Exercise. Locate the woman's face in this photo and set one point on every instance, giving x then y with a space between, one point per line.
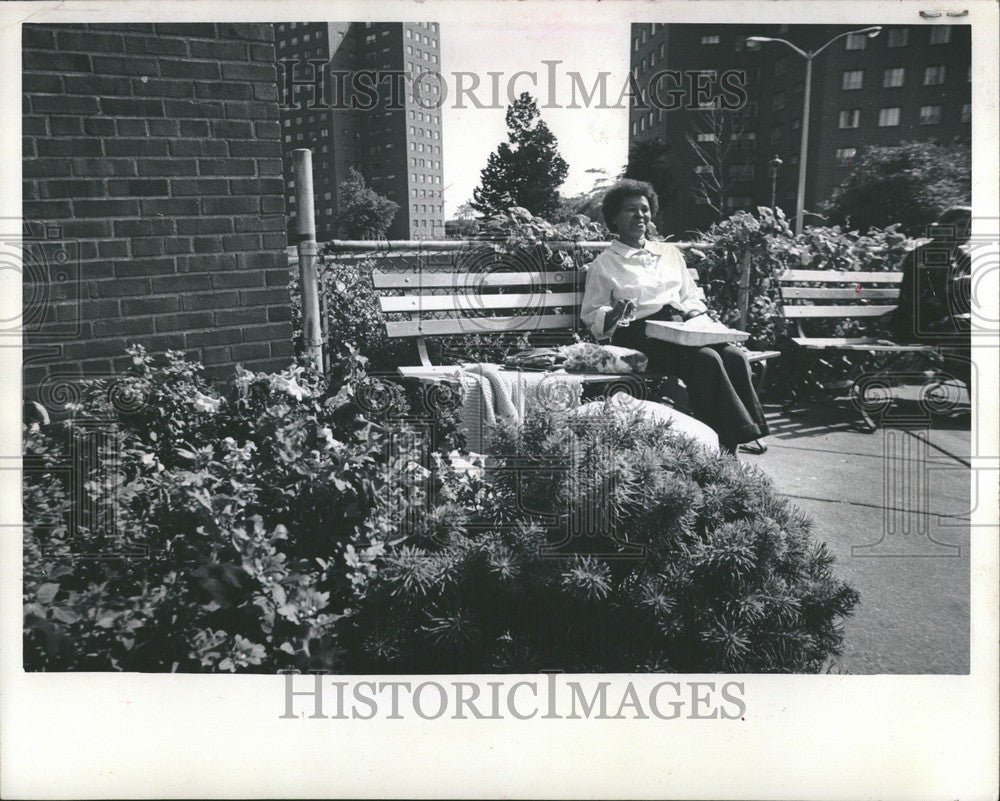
632 219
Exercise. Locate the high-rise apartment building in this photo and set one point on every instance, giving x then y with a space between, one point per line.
369 118
910 83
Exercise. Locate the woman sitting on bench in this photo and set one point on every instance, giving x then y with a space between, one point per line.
636 279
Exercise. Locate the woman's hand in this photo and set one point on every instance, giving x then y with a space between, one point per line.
621 310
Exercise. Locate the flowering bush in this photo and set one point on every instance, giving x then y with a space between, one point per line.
603 545
171 525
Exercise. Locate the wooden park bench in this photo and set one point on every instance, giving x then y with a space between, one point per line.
543 304
811 296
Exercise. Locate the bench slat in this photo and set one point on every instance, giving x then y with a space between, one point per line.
794 312
479 303
837 277
472 281
479 325
846 293
849 343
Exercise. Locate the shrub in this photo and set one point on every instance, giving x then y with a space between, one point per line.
241 523
727 579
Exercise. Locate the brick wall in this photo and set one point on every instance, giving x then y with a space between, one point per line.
152 198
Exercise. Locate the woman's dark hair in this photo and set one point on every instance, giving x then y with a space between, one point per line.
617 194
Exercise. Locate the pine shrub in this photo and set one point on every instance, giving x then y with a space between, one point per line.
696 564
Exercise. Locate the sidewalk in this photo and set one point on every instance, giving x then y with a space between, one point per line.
893 507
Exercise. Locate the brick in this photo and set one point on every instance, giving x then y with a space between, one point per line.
153 88
69 147
40 83
231 242
251 316
250 110
96 85
249 148
132 128
168 167
276 242
89 42
265 73
250 351
156 46
226 336
209 225
144 227
229 205
207 245
199 186
257 186
226 167
45 210
208 70
109 65
177 245
184 282
246 32
113 248
119 287
277 314
219 50
99 126
143 187
34 126
224 91
186 29
61 104
131 107
263 297
65 126
232 129
237 279
193 108
104 167
29 190
273 204
263 52
198 147
106 208
265 91
150 305
211 356
267 130
265 332
163 128
147 247
139 267
211 300
178 322
277 277
28 148
91 347
37 36
135 147
169 206
124 326
248 224
164 342
87 229
207 262
194 128
73 188
51 61
269 167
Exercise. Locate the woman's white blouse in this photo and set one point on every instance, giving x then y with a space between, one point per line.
653 276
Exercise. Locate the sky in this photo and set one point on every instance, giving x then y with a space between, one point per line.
589 138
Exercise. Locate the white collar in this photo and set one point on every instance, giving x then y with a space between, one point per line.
622 249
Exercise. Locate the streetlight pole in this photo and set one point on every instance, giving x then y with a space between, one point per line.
800 201
775 166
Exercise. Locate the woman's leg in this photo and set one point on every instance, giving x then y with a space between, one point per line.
740 376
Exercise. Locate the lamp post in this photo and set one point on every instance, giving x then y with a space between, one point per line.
872 32
775 166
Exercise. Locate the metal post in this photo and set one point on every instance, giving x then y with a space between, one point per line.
800 202
308 280
743 296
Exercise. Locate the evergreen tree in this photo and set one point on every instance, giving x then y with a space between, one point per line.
362 213
527 170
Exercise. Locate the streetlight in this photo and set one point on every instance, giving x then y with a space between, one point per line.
872 32
775 164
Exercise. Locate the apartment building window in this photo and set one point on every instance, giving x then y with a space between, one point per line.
856 41
663 51
652 59
888 117
778 101
645 35
642 123
934 76
741 172
738 201
370 38
709 40
930 115
845 155
853 79
635 44
706 137
288 123
893 78
850 118
967 112
703 169
409 34
306 38
409 50
940 34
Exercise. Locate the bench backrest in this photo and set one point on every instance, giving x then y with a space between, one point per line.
480 303
836 295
